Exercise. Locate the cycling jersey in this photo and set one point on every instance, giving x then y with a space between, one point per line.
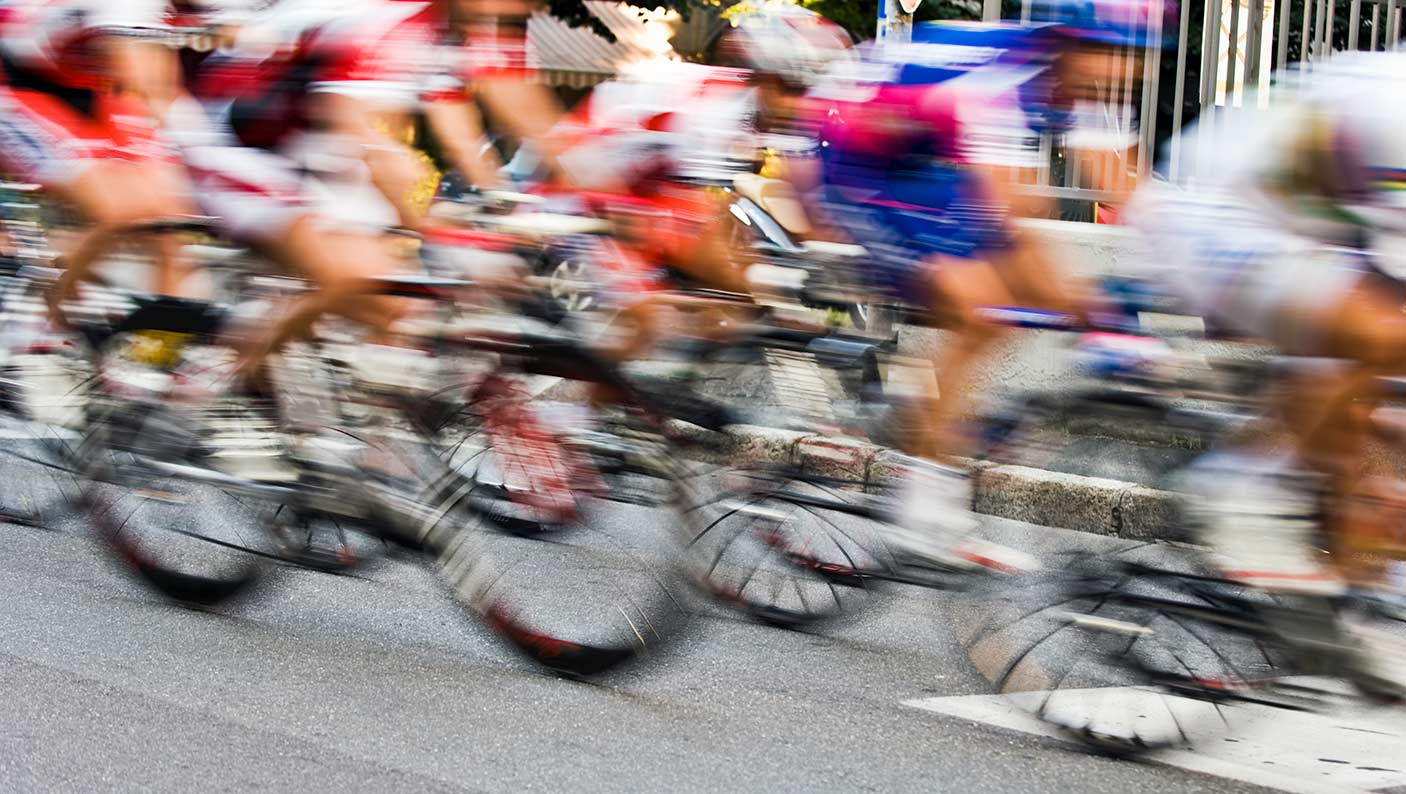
901 123
393 54
657 139
674 122
1283 203
259 160
978 93
49 45
906 122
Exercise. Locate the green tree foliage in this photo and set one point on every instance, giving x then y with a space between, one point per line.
859 16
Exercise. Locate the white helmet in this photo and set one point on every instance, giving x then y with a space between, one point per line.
1365 94
787 41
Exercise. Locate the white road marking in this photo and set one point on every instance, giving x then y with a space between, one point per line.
1357 749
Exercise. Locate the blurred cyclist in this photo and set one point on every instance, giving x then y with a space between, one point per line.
84 83
1278 240
302 159
922 149
661 136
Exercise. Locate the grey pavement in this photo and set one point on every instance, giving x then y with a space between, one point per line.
379 683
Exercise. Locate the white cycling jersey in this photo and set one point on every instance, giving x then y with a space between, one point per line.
1279 205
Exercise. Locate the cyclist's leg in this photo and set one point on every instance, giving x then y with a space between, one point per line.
1316 304
921 253
340 264
687 230
702 247
1035 280
956 292
115 195
262 201
77 159
1329 410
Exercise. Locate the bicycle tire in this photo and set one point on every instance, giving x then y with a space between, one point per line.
1119 658
783 547
148 488
501 456
586 599
177 562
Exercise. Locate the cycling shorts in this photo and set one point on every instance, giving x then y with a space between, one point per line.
905 219
48 141
258 194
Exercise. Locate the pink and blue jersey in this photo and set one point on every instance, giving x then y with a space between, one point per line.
900 125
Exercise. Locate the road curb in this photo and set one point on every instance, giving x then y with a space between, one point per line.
1036 496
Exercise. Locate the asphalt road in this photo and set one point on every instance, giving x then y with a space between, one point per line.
379 683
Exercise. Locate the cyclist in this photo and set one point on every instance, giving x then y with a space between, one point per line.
84 85
301 159
1277 241
921 148
662 135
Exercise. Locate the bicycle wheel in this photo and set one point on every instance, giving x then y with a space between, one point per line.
503 455
321 542
785 548
591 596
1124 652
179 481
189 540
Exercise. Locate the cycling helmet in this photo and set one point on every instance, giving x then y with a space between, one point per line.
787 41
1365 95
1111 22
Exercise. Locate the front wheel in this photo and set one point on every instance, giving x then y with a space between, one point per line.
190 541
785 548
1125 652
595 592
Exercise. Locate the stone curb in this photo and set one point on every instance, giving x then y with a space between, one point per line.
1036 496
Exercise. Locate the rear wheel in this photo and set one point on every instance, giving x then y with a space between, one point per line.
180 481
505 455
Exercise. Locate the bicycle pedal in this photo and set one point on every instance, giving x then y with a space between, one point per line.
753 511
166 497
1105 624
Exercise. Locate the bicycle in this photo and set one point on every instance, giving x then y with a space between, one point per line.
1141 648
793 511
163 435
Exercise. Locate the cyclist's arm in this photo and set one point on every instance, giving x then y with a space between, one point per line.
145 69
458 129
528 111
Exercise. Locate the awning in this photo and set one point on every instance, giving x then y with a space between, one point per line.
579 58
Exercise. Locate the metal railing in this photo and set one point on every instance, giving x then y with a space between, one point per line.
1244 45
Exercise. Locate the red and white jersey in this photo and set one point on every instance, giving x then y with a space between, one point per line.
404 52
55 40
394 53
679 120
391 52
